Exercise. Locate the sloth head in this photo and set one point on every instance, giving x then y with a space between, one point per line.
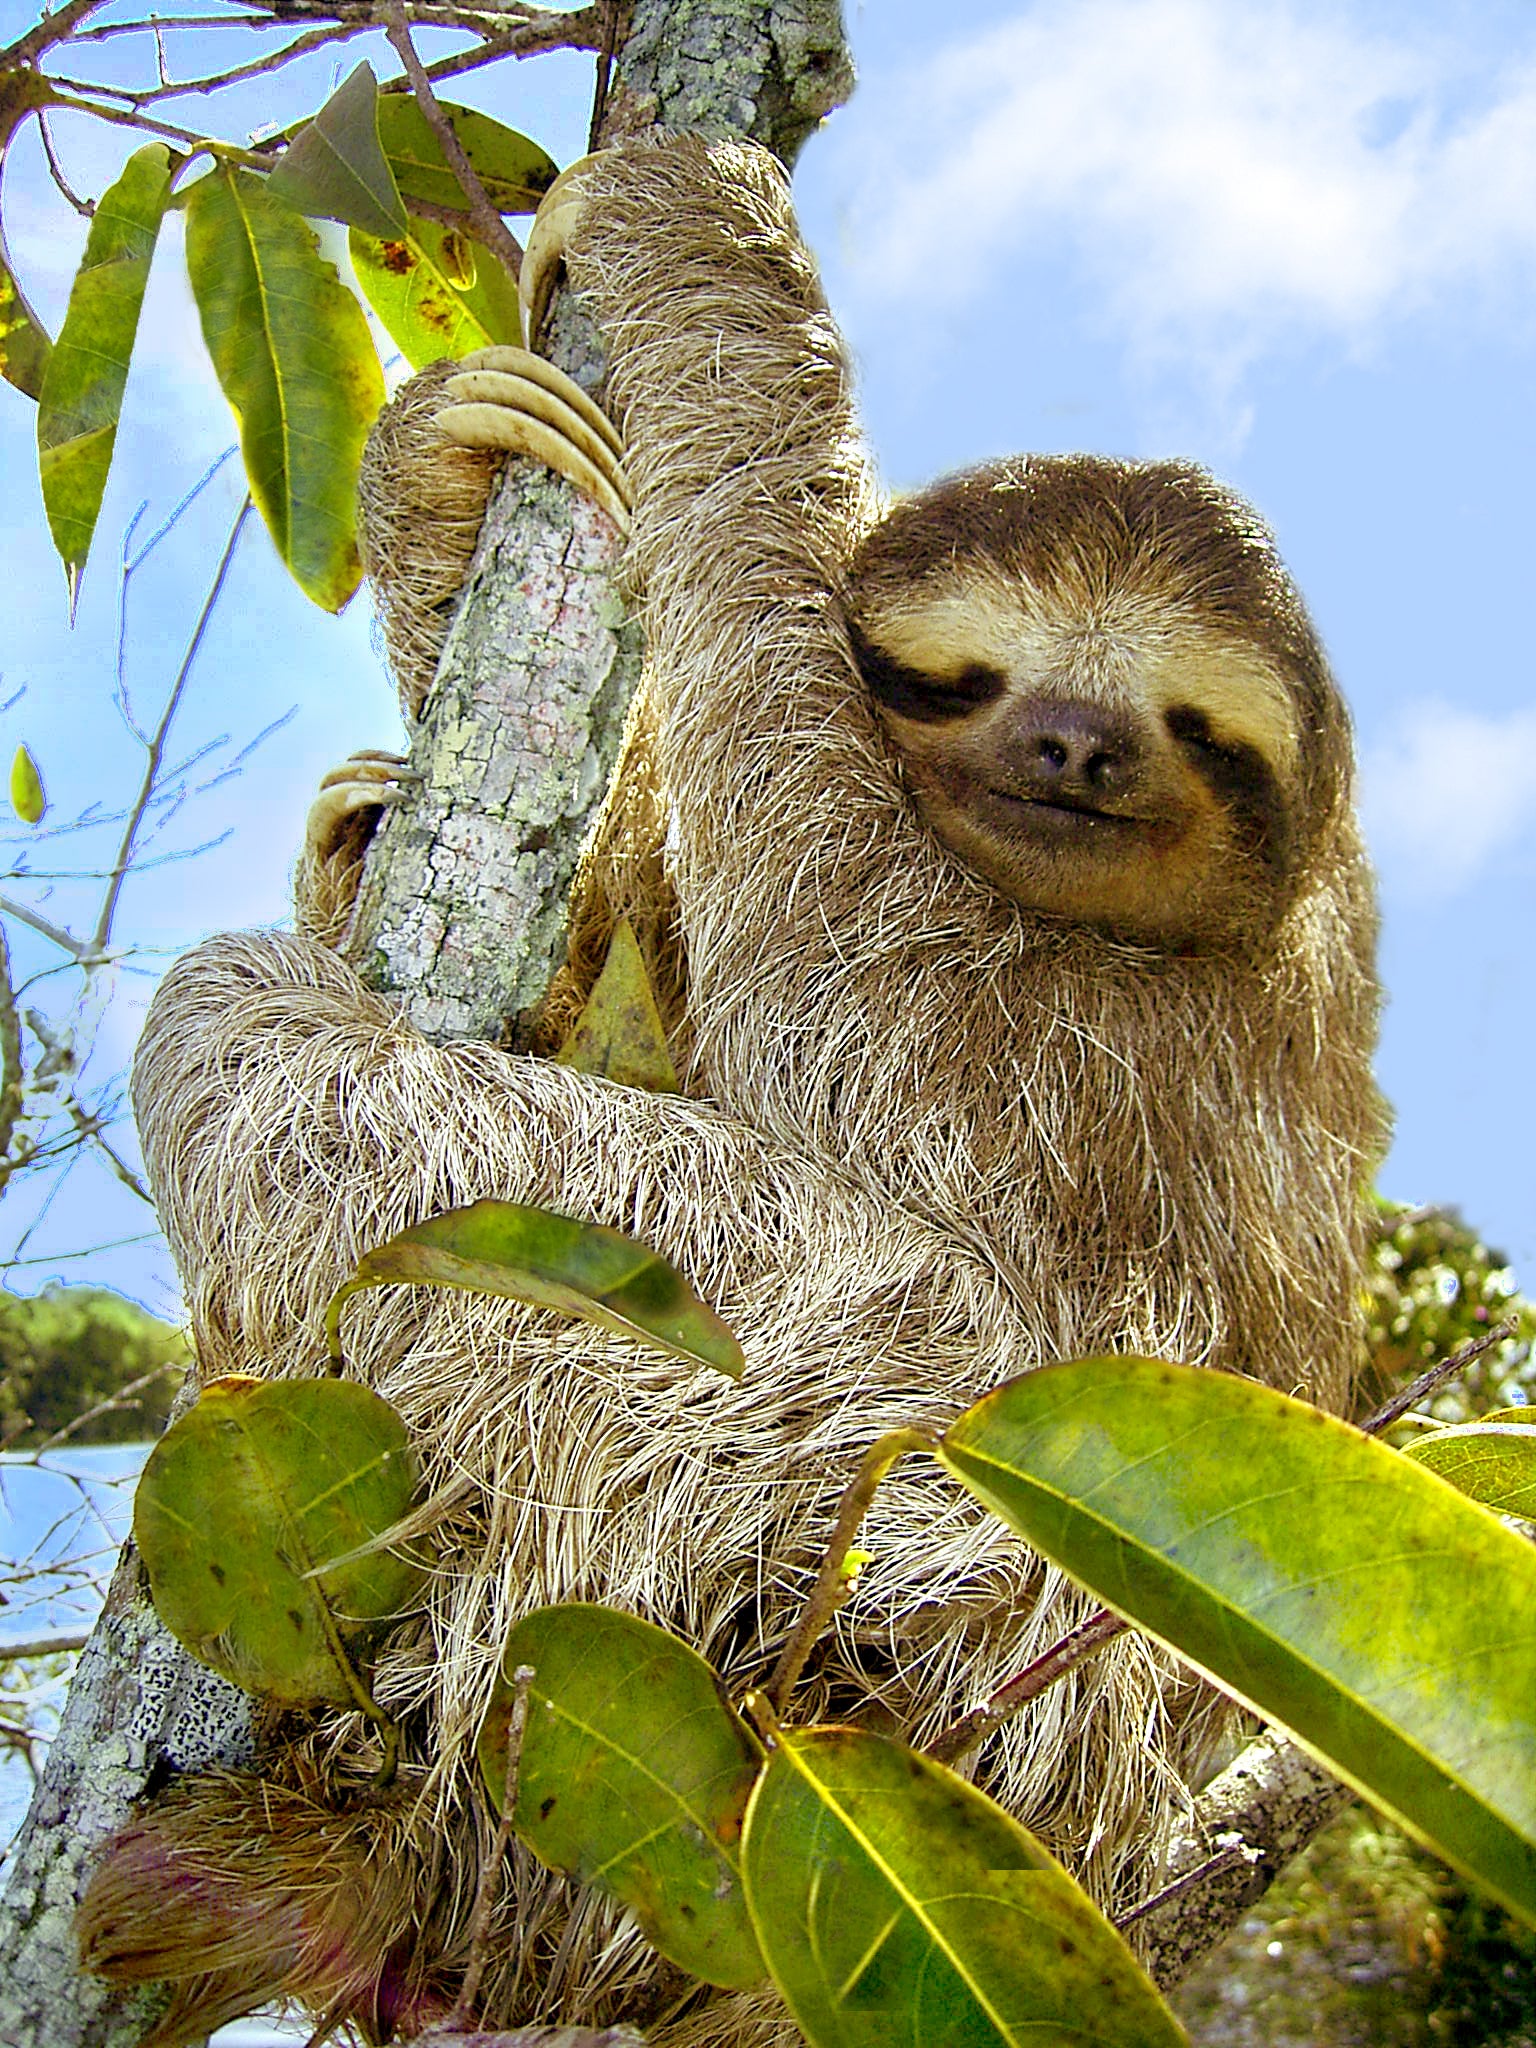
1106 694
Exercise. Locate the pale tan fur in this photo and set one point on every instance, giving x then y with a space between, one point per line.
934 1139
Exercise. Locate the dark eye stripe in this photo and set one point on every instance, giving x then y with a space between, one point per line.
928 699
1240 779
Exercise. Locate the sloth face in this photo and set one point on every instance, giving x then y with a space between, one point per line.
1105 694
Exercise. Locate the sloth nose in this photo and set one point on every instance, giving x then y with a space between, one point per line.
1073 746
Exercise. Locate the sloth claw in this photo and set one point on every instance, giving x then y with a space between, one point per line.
559 211
510 399
368 780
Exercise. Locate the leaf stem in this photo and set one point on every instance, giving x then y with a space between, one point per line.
832 1582
1101 1627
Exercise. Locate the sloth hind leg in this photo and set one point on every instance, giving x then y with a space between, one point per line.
511 399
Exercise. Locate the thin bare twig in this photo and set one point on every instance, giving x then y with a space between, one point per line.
1402 1401
43 1646
81 950
90 1126
1100 1627
494 231
54 28
121 117
86 208
215 81
125 1397
12 1076
148 786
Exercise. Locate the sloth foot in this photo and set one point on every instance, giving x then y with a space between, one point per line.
508 398
342 820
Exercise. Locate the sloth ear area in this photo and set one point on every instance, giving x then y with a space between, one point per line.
510 399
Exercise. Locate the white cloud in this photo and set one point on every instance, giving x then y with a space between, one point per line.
1223 172
1450 792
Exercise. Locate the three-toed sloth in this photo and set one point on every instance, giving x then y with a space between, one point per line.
1026 943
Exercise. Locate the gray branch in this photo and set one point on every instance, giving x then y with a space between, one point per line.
463 918
1268 1803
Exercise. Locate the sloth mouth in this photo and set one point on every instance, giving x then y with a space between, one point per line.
1061 815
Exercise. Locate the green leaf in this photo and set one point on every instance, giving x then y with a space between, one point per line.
24 343
634 1776
619 1032
241 1508
292 351
335 167
437 292
82 388
1331 1583
582 1269
1491 1462
515 172
898 1907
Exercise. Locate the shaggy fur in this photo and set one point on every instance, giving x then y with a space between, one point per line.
933 1139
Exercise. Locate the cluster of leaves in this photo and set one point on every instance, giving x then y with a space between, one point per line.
1434 1285
289 342
1316 1574
70 1352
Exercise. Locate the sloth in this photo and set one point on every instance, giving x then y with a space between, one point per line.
1015 893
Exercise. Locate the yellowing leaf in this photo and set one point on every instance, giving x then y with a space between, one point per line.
335 168
437 293
619 1032
244 1507
527 1254
898 1907
1329 1582
291 348
634 1776
82 388
28 800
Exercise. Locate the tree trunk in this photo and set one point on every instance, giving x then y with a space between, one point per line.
463 920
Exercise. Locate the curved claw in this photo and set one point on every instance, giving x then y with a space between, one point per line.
366 781
512 400
559 210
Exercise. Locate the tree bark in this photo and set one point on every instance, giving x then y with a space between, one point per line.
462 919
462 910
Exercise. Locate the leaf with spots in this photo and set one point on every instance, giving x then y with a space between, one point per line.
437 292
293 354
898 1907
250 1515
1330 1583
634 1775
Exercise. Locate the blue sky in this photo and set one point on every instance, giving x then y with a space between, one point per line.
1295 242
